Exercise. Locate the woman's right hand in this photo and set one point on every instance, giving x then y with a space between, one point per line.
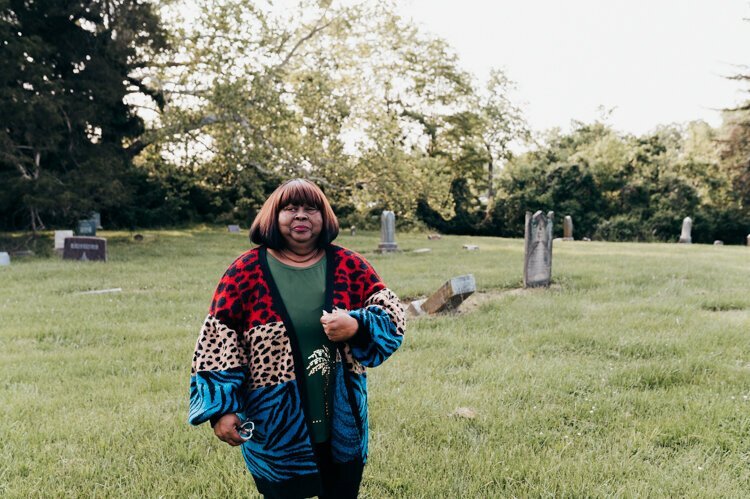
226 429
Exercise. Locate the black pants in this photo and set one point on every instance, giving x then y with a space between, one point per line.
337 480
340 480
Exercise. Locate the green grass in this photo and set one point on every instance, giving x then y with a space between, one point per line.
629 377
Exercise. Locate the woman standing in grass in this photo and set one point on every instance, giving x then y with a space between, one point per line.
279 366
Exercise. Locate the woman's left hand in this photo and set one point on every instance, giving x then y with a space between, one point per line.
339 326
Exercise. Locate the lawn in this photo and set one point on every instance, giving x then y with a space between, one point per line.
630 376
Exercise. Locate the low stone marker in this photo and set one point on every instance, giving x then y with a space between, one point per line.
60 236
387 233
568 228
687 227
234 229
4 259
415 308
422 250
718 243
537 262
471 247
86 228
450 295
433 237
85 248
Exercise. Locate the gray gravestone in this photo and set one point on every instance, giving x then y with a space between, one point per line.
97 218
450 295
537 263
353 230
86 228
687 227
4 259
85 248
718 243
387 233
415 308
60 236
568 228
234 229
748 240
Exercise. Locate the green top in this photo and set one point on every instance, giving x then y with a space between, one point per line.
303 293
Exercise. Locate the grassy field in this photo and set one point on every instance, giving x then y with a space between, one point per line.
629 377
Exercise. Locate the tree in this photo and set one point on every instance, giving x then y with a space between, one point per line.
66 71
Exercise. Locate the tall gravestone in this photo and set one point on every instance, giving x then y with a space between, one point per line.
568 228
537 262
387 233
687 227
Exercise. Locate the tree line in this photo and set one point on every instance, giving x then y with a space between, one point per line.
161 114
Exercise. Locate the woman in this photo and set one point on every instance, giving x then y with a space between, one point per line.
279 366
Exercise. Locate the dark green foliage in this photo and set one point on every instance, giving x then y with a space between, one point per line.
65 70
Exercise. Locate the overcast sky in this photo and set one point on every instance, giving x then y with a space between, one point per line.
654 61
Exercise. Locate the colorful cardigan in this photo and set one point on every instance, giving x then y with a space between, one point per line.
247 361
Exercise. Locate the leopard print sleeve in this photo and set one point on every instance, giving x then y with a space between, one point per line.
219 367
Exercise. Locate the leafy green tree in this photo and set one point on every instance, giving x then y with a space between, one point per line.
66 70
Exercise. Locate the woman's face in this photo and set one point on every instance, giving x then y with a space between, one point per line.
300 225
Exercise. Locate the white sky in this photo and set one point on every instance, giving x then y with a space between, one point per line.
654 61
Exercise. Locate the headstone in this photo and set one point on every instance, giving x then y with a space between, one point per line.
4 259
86 228
432 237
450 295
415 308
586 239
568 228
97 218
234 229
85 248
687 227
353 230
60 236
748 240
537 263
471 247
422 250
718 243
138 237
387 233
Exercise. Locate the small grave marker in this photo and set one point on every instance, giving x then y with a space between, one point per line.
422 250
234 229
353 230
471 247
60 236
450 295
85 248
433 237
415 308
86 228
97 218
4 259
718 243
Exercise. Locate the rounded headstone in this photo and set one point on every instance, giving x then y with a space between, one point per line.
4 259
718 243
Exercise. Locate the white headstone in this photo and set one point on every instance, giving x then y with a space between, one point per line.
60 236
687 227
4 259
